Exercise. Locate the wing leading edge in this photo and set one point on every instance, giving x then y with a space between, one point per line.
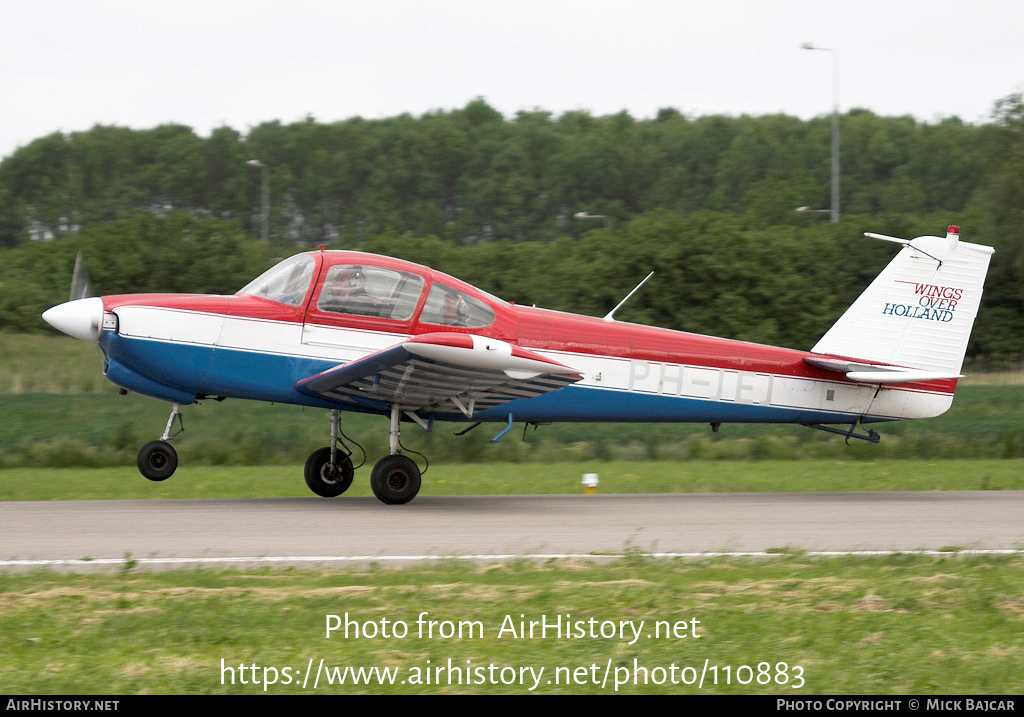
441 373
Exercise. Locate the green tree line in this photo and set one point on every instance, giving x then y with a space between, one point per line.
715 273
470 174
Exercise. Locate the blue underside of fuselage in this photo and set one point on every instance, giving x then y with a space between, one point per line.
186 371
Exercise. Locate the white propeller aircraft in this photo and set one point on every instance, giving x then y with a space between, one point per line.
348 331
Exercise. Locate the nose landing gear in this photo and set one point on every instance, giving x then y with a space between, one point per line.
157 460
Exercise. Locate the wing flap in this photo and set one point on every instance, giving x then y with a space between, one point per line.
444 373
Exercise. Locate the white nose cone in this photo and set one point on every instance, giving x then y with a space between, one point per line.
82 318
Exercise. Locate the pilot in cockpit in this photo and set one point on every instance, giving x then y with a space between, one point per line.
454 310
345 292
348 283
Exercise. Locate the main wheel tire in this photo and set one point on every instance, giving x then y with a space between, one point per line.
326 480
157 460
395 480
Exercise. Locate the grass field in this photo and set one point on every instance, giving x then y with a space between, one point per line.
528 478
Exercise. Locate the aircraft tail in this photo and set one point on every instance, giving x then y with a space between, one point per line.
918 313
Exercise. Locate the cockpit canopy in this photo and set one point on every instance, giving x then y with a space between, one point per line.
374 290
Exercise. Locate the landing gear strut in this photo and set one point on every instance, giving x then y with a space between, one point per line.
329 470
157 460
395 478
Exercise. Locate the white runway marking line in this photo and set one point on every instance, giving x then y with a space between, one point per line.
497 556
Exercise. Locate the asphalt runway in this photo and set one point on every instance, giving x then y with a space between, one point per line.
314 530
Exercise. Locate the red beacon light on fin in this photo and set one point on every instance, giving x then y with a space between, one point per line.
952 236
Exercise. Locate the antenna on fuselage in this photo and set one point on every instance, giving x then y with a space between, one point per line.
610 316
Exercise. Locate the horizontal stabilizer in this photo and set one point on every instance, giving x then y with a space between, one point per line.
908 376
868 373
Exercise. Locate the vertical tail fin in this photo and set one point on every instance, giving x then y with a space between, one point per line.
919 311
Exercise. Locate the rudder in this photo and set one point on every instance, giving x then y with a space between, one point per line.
919 311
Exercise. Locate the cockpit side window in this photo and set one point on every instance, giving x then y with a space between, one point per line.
370 291
286 282
448 306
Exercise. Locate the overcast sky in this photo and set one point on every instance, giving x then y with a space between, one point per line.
67 65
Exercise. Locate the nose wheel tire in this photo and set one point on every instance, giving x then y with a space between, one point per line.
157 460
326 480
395 479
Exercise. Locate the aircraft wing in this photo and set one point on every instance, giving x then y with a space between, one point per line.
445 373
869 373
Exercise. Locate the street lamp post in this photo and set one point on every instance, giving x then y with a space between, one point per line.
599 217
264 198
834 211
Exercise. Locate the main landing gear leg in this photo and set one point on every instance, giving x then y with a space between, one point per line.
329 470
395 478
157 460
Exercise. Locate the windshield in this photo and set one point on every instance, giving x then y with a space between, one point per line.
286 282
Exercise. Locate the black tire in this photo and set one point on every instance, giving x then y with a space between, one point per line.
325 480
395 480
157 460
